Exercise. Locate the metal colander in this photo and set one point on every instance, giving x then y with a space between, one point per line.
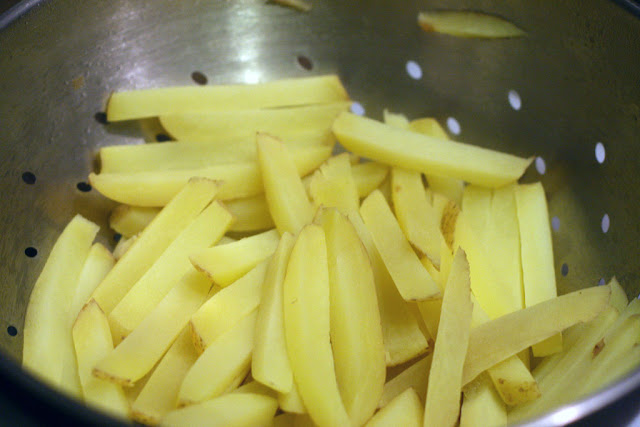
568 92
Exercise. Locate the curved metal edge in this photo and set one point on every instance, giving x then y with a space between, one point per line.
17 11
632 6
32 397
589 405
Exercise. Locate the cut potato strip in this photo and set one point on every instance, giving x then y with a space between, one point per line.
368 176
396 120
143 348
227 263
160 394
412 280
270 363
234 409
333 186
92 342
226 358
284 122
468 24
255 387
139 104
48 350
288 202
356 332
401 334
505 336
157 188
291 401
415 376
226 308
481 405
173 264
619 299
306 324
153 241
423 153
131 220
404 410
538 271
251 214
442 405
97 265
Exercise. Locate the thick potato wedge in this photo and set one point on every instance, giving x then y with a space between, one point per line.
157 188
306 324
251 214
131 220
505 336
92 342
233 409
139 104
227 307
467 24
173 264
226 358
356 332
270 363
227 263
286 122
426 154
442 405
48 346
134 357
415 376
153 241
401 333
404 410
288 202
412 280
332 185
481 405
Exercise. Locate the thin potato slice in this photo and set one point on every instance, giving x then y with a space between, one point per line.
415 376
401 333
251 214
442 405
224 360
426 154
160 394
468 24
368 176
48 346
123 246
292 401
332 185
505 336
255 387
157 188
285 122
270 363
134 357
173 264
97 265
227 263
356 332
306 324
481 405
411 278
404 410
233 409
538 271
227 307
153 241
288 202
619 299
131 220
139 104
397 120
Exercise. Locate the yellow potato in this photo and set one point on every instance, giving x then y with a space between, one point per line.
401 333
404 410
468 24
227 263
332 185
368 176
422 153
481 405
288 202
48 346
443 392
251 214
619 299
270 363
292 401
356 332
286 122
138 353
166 271
226 308
306 324
123 245
415 376
130 220
255 387
139 104
153 241
411 278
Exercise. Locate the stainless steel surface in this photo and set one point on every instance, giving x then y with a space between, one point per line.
576 73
